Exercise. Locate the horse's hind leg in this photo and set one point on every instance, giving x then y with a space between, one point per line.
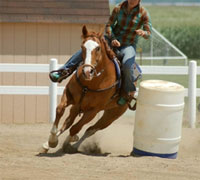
53 138
108 117
87 117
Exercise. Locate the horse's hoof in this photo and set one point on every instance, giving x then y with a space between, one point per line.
53 141
53 144
44 149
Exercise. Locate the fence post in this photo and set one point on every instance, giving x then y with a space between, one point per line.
192 85
52 92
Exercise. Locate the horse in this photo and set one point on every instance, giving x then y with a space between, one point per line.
91 89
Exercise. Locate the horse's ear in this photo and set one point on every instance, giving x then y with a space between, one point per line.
84 31
102 29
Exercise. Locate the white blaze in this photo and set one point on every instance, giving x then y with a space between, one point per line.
90 45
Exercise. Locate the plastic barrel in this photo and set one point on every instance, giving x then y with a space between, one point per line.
158 119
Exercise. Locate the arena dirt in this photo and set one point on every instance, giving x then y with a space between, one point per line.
105 156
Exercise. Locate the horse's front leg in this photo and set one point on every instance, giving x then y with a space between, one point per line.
53 138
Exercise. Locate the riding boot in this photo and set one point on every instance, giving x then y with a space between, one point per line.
60 74
126 97
67 69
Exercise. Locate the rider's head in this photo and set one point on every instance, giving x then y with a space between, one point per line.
133 3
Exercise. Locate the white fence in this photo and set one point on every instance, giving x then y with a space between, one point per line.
192 92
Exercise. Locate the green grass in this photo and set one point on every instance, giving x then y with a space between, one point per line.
169 16
172 16
163 62
165 16
180 25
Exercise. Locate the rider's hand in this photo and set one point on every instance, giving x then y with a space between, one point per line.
140 32
115 43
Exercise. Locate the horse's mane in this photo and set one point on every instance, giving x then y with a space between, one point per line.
108 50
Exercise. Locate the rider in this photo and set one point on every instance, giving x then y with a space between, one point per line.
128 21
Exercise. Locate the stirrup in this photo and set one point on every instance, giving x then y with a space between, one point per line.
133 108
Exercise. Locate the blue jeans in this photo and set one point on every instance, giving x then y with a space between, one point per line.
127 66
74 60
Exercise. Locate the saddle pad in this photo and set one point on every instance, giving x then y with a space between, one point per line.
137 72
118 72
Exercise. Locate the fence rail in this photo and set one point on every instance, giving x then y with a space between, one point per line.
44 68
44 90
192 92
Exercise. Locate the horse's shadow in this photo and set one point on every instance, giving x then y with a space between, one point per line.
60 153
88 151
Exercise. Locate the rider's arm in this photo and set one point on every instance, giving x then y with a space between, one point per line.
147 26
111 23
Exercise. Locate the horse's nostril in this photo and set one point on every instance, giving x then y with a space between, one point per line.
91 71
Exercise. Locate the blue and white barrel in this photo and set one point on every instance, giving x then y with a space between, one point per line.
158 121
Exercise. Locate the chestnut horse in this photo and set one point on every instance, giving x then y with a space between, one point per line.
90 90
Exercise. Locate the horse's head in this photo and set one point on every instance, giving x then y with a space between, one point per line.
91 52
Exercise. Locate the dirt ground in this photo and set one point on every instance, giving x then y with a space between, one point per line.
19 159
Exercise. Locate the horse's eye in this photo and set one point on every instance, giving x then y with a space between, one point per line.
98 48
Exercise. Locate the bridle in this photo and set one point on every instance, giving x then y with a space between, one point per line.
95 73
93 70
